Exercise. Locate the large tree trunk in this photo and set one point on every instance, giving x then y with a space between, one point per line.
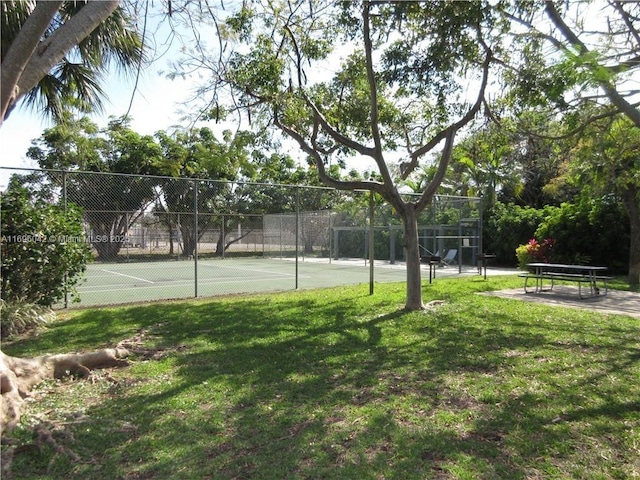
412 252
631 201
30 58
188 243
21 50
108 232
18 376
220 244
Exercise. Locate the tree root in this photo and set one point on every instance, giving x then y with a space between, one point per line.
44 436
135 345
18 376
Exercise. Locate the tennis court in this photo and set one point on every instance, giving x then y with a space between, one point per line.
116 283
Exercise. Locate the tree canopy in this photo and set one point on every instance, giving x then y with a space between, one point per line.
572 53
377 103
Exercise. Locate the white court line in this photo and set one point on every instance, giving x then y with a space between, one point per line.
125 275
80 290
120 287
277 275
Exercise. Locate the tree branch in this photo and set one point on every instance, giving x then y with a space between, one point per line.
333 133
373 98
63 39
618 100
444 134
431 189
322 173
20 52
326 126
627 21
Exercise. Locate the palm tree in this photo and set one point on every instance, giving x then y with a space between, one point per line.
484 164
54 53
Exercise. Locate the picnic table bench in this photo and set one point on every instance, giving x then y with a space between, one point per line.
556 272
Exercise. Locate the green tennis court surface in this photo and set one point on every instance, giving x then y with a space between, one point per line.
118 283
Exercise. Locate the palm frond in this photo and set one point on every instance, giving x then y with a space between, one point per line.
46 97
13 14
113 43
74 84
70 86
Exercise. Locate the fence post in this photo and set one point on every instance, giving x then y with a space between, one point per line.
223 235
392 245
64 209
460 243
195 237
480 228
371 245
126 242
331 235
297 230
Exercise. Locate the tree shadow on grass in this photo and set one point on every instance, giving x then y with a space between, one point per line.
324 390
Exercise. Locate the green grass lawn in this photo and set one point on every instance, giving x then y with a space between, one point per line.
339 384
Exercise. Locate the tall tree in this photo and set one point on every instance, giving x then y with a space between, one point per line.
584 58
111 203
607 158
395 90
572 53
54 52
213 164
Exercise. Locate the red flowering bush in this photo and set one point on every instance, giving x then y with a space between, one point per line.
535 251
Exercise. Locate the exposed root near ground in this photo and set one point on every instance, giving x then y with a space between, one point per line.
19 376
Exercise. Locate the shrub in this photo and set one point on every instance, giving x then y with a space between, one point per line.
592 230
535 251
505 226
589 231
19 317
43 248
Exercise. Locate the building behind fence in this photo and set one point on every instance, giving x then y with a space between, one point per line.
136 220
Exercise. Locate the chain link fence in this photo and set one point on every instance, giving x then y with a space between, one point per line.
158 237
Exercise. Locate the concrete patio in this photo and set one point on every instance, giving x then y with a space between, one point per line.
616 301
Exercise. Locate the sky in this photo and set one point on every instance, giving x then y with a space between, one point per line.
155 106
156 101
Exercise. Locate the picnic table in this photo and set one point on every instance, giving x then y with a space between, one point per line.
590 275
